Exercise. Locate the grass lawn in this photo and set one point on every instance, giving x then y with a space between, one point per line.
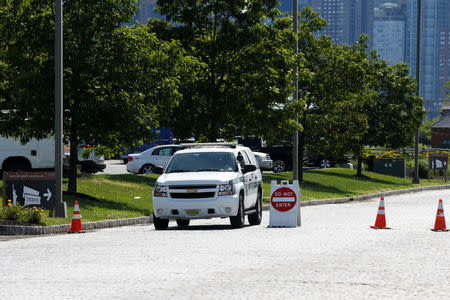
127 196
340 183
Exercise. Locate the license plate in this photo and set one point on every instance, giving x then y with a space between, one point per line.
192 212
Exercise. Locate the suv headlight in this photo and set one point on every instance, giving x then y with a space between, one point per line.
226 189
160 191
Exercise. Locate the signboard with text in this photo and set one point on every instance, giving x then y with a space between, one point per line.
30 189
438 161
284 204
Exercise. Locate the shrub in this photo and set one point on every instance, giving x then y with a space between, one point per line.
33 216
11 212
423 168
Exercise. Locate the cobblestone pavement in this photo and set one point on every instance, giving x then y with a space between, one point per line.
333 255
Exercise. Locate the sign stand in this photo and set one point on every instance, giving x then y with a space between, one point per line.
284 204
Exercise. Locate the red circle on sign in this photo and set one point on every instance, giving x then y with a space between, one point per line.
283 199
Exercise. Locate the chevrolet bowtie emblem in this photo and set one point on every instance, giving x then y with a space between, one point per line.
192 191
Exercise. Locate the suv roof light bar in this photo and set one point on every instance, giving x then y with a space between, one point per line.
199 145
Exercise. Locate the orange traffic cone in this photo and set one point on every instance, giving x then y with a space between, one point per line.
439 225
380 222
76 220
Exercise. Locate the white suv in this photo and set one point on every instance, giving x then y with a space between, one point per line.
206 181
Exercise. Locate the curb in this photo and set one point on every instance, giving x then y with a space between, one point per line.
53 229
38 230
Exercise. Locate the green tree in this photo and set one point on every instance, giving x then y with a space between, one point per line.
245 82
394 112
332 118
119 81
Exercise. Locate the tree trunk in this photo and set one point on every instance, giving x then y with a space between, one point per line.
359 169
72 186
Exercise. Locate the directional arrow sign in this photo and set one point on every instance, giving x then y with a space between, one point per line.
48 194
30 188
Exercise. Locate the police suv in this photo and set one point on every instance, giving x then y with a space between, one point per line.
208 180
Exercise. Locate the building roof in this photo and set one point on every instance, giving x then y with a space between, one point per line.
444 122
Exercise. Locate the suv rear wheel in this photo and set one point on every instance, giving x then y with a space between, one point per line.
256 217
238 220
160 224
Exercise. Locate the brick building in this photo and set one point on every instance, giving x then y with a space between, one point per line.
440 131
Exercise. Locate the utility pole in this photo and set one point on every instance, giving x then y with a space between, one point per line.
416 178
61 207
295 98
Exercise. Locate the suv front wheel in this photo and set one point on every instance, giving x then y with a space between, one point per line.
256 217
160 224
238 220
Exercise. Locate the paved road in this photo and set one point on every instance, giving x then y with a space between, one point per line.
333 255
114 167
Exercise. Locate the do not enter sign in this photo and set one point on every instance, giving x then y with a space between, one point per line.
284 204
283 199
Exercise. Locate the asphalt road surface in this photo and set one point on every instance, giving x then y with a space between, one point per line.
114 167
334 254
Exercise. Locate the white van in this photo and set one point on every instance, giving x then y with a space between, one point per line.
39 154
36 154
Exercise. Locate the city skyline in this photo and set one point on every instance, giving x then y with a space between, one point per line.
392 29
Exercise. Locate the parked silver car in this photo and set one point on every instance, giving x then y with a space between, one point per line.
143 163
264 161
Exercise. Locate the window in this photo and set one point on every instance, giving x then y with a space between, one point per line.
163 151
251 158
246 158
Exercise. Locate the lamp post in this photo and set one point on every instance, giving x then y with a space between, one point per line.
416 178
61 207
295 98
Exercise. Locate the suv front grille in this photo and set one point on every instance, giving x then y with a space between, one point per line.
188 187
192 195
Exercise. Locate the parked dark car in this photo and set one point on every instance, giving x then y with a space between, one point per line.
282 158
281 155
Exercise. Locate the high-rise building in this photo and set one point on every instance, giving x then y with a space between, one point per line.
392 29
347 19
389 39
361 19
444 63
434 19
146 11
389 32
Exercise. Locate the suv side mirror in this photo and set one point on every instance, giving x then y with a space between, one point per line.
249 168
158 170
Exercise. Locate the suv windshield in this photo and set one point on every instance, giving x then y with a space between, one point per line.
203 161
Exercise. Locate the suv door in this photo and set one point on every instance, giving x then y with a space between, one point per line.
256 176
249 182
